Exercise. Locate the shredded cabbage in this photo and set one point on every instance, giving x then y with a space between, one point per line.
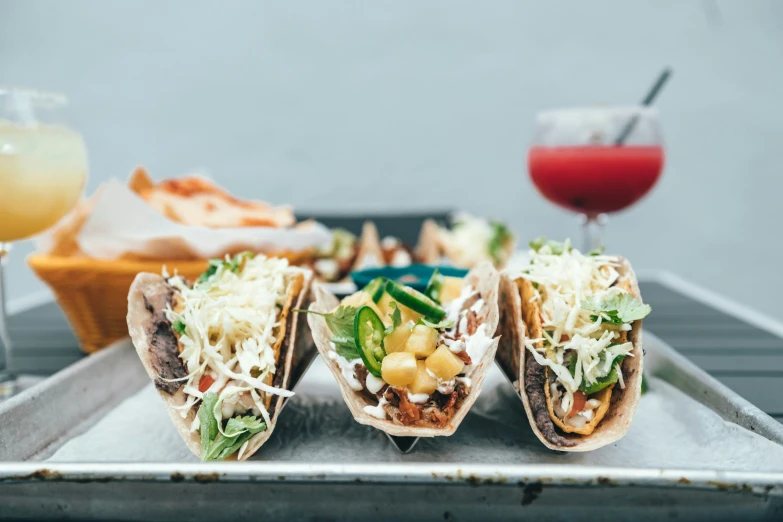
230 318
562 281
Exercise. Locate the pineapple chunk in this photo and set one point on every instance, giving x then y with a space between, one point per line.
422 341
396 340
424 382
444 364
407 314
451 289
398 368
362 298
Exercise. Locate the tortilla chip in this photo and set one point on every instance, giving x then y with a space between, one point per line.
294 351
486 279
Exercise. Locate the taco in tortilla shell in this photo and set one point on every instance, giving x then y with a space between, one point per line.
225 352
571 342
469 241
407 363
347 253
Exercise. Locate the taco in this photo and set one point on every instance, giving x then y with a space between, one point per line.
571 343
407 363
224 353
347 253
469 241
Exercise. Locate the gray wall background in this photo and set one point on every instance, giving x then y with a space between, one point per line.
352 106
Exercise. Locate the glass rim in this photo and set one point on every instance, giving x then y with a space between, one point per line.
622 110
35 96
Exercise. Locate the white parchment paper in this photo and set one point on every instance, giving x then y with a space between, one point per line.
122 223
670 430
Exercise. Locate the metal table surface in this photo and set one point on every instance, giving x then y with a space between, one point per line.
738 347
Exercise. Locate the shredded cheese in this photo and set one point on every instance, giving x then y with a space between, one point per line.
561 283
230 322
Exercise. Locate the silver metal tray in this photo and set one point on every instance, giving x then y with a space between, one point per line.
302 474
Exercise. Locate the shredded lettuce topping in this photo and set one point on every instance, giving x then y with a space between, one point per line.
226 326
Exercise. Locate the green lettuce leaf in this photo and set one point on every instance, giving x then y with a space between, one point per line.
601 382
237 431
617 308
208 426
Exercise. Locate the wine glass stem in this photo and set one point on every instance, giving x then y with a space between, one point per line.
592 231
5 339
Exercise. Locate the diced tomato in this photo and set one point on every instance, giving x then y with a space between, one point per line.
579 403
207 381
565 338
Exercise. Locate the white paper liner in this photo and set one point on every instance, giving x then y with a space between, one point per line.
124 224
670 430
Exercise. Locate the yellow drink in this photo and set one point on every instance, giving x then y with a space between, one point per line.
43 169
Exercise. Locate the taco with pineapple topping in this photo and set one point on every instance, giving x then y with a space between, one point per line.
469 241
571 342
410 363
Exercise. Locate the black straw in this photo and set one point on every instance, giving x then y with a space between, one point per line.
648 100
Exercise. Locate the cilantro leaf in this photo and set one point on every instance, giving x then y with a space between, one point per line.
497 243
645 386
617 308
396 317
179 327
208 426
443 325
340 322
346 347
556 248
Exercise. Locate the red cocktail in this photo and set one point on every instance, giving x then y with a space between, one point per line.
595 179
596 160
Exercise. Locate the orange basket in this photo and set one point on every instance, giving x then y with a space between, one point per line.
94 293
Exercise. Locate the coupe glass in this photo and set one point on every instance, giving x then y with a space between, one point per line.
43 169
594 161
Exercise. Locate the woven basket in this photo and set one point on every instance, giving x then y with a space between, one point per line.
94 293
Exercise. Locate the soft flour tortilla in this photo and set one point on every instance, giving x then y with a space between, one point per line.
368 250
429 249
295 351
486 279
512 356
